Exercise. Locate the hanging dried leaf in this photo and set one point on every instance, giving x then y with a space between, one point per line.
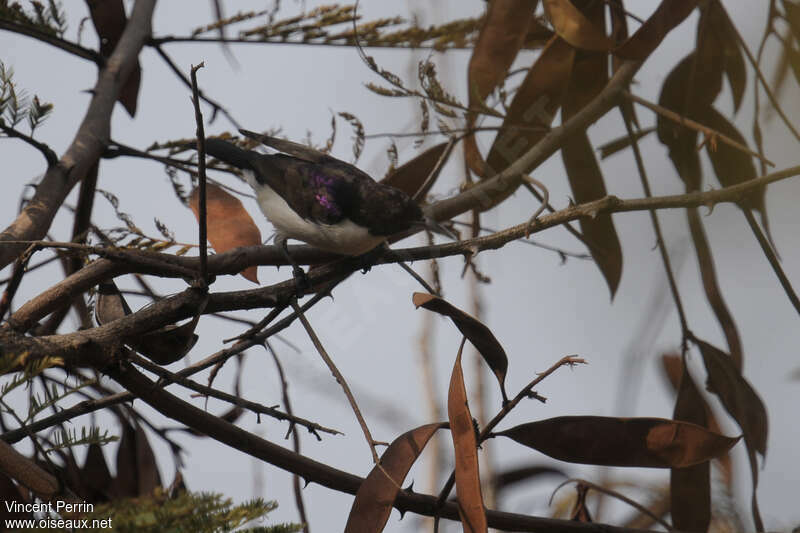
412 176
691 94
503 33
531 112
137 471
733 166
669 14
737 396
108 17
468 482
690 487
163 346
473 329
743 404
96 475
110 305
638 442
575 28
375 497
168 344
229 224
589 77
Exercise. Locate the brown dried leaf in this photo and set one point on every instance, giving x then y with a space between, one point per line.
690 487
638 442
411 176
473 329
589 77
743 404
737 396
575 28
502 35
163 346
168 344
531 111
111 305
689 92
793 17
137 471
375 497
733 166
96 474
599 233
229 224
468 482
669 14
108 17
504 32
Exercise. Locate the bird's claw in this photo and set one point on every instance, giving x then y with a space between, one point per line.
301 281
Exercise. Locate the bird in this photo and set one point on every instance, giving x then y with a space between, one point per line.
313 197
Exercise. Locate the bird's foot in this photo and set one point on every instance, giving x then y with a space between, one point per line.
301 281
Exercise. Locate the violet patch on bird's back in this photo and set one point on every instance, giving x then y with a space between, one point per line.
321 180
325 196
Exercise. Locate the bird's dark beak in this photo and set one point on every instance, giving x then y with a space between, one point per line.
433 226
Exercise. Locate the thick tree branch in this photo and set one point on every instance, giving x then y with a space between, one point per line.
126 261
311 470
90 141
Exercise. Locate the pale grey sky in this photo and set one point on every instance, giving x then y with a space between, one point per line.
537 308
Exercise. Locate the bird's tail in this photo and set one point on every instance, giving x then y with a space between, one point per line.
229 153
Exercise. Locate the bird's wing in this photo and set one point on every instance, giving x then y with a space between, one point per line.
288 147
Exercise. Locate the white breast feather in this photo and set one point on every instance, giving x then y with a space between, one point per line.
344 237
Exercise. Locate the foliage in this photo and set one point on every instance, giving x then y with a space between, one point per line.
583 69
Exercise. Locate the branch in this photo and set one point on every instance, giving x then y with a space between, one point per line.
217 107
312 470
95 405
339 379
234 261
92 137
485 194
201 175
689 123
172 377
46 151
67 46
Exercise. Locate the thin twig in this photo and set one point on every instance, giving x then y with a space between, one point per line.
530 180
760 75
181 76
201 174
46 151
416 276
662 246
171 377
772 258
339 378
20 265
298 493
599 488
689 123
91 406
525 392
